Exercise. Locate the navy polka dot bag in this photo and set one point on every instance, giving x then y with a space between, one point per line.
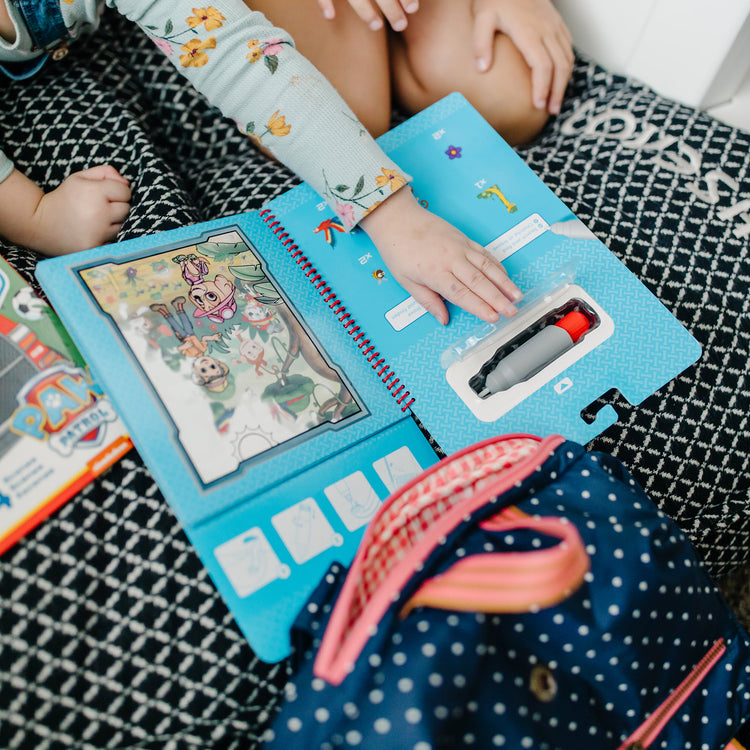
524 593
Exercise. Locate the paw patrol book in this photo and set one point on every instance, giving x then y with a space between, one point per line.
267 364
58 430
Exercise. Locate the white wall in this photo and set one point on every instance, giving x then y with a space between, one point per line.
694 51
605 30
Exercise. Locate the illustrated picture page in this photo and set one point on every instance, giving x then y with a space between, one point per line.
233 366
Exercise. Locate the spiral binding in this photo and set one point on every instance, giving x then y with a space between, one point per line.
366 347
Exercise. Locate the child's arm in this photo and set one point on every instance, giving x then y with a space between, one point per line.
86 210
372 11
253 73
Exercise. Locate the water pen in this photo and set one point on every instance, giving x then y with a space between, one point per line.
535 354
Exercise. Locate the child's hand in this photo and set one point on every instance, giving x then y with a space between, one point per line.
372 11
85 210
540 34
434 261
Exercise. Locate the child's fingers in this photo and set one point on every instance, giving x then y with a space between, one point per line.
542 71
491 281
116 191
467 288
368 12
102 172
431 301
561 52
550 58
469 298
118 211
484 40
329 11
474 287
395 12
372 12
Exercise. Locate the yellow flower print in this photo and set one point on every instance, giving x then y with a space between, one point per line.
277 125
267 50
256 51
390 177
208 16
194 56
343 196
371 208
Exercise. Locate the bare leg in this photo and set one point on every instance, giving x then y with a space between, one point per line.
434 56
351 56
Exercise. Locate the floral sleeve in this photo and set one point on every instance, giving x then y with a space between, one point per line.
252 72
6 166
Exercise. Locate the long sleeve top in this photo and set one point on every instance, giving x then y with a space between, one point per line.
252 72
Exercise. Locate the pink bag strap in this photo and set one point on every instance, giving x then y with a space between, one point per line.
406 529
505 582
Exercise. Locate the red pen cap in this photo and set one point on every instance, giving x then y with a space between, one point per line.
575 323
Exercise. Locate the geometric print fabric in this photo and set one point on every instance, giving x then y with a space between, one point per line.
111 634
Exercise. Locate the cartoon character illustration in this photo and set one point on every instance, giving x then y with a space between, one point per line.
495 190
294 392
182 327
257 379
212 298
142 329
327 227
193 268
179 322
215 376
253 353
211 373
261 317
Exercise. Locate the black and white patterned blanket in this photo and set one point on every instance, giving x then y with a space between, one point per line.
111 634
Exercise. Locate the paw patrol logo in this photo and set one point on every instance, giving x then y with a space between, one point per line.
62 407
4 286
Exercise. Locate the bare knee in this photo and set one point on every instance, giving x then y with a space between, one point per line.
353 58
423 73
504 95
374 113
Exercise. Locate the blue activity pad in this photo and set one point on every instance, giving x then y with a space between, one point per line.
266 364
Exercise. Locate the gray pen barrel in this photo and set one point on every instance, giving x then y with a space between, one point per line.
531 357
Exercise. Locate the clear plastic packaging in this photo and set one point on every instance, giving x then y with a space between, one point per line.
498 365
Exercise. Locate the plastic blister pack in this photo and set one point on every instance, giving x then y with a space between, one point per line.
498 365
